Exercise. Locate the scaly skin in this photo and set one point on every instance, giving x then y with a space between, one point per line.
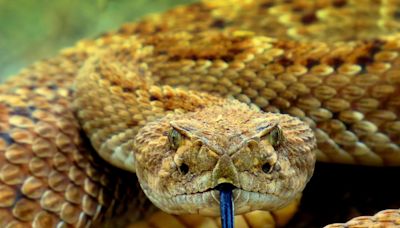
333 64
222 141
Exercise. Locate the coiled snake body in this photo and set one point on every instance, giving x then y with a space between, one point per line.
189 99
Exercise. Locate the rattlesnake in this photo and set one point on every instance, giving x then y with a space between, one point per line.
189 99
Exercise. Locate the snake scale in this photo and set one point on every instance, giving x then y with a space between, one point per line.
243 92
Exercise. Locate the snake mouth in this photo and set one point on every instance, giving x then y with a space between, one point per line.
215 191
207 202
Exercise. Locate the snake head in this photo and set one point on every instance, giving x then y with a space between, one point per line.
182 159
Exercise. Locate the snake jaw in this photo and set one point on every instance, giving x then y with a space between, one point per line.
207 203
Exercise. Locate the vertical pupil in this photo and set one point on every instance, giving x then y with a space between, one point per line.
274 136
174 138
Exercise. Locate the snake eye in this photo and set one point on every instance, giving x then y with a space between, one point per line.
174 138
275 137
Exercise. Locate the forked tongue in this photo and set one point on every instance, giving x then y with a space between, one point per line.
226 205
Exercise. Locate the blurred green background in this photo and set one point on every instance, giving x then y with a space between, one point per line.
35 29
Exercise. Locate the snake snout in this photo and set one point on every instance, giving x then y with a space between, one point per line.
225 172
225 177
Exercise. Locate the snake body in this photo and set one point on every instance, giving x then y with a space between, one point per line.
209 93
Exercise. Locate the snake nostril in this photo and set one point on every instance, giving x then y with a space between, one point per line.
184 169
266 168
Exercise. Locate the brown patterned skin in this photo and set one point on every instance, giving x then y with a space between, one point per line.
221 140
293 57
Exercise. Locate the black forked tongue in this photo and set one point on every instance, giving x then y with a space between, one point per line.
226 204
